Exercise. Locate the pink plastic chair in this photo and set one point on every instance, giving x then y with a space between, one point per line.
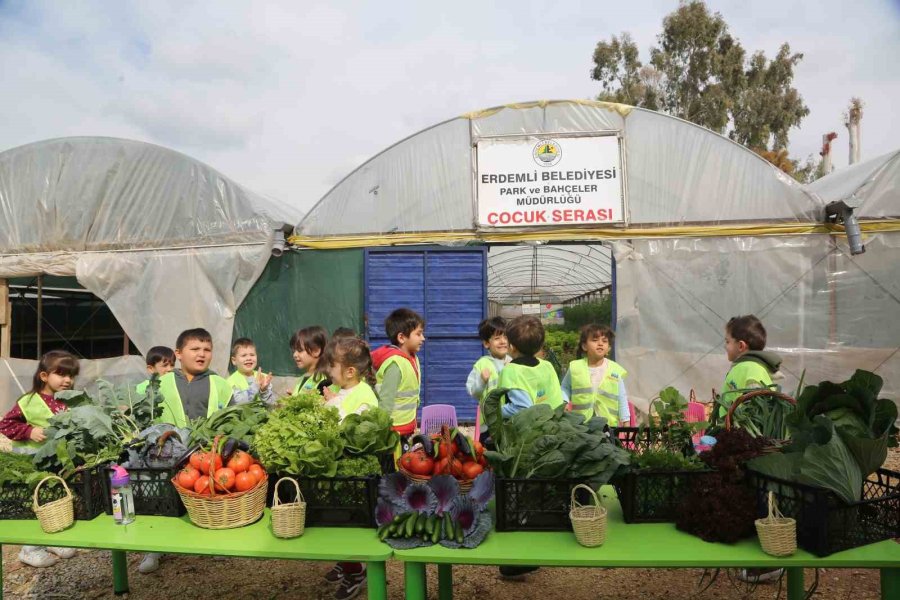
435 415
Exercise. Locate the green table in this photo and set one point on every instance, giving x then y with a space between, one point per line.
180 536
643 546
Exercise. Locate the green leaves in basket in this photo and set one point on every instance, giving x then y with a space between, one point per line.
369 432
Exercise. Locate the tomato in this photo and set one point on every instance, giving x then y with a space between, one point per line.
244 481
482 461
406 461
239 462
479 448
440 467
225 479
442 449
421 464
206 458
201 486
195 460
187 477
257 471
472 470
456 468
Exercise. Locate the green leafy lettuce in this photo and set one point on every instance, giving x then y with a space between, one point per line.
369 432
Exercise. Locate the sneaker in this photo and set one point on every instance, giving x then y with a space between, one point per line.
335 574
150 562
37 557
62 552
759 575
515 573
351 585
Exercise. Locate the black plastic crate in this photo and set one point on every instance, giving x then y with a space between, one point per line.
332 501
88 495
637 438
153 492
825 523
535 504
650 496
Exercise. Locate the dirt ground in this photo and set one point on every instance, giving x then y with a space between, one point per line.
89 575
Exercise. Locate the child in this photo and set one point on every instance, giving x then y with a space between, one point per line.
247 381
343 332
160 360
751 366
25 423
529 380
485 373
398 372
349 364
595 385
193 390
308 344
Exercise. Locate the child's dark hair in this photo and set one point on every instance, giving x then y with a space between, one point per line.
491 327
158 354
402 320
199 334
526 333
310 339
239 343
352 352
343 332
592 330
55 361
747 329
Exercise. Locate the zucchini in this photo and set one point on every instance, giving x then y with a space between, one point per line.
436 532
429 525
448 527
410 524
420 523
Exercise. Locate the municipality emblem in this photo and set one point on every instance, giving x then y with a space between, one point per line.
547 153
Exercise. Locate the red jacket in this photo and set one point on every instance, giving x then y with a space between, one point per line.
380 355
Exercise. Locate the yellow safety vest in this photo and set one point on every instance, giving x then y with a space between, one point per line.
361 395
141 388
239 381
603 401
486 362
311 383
173 409
738 379
37 414
540 382
406 401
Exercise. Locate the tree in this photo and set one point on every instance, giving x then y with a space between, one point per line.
700 72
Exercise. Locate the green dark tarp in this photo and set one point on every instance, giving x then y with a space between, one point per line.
296 290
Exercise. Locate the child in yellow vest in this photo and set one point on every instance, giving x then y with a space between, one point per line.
398 372
25 423
595 385
247 380
751 365
349 365
193 390
308 345
485 373
160 360
529 379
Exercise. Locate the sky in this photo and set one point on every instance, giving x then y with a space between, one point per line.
286 98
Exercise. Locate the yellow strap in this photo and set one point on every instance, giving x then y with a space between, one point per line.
591 233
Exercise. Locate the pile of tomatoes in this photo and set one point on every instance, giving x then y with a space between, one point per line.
241 473
447 460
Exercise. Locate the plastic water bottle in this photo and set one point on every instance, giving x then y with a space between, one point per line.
122 498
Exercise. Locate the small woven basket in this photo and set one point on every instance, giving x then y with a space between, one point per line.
56 515
225 511
465 485
288 518
777 533
588 520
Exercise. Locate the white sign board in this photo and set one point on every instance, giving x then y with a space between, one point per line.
540 181
531 309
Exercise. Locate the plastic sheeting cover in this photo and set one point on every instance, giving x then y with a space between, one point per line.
677 173
76 194
873 184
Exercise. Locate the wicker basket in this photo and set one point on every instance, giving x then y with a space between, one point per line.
774 445
55 515
588 520
288 518
465 485
225 511
777 533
